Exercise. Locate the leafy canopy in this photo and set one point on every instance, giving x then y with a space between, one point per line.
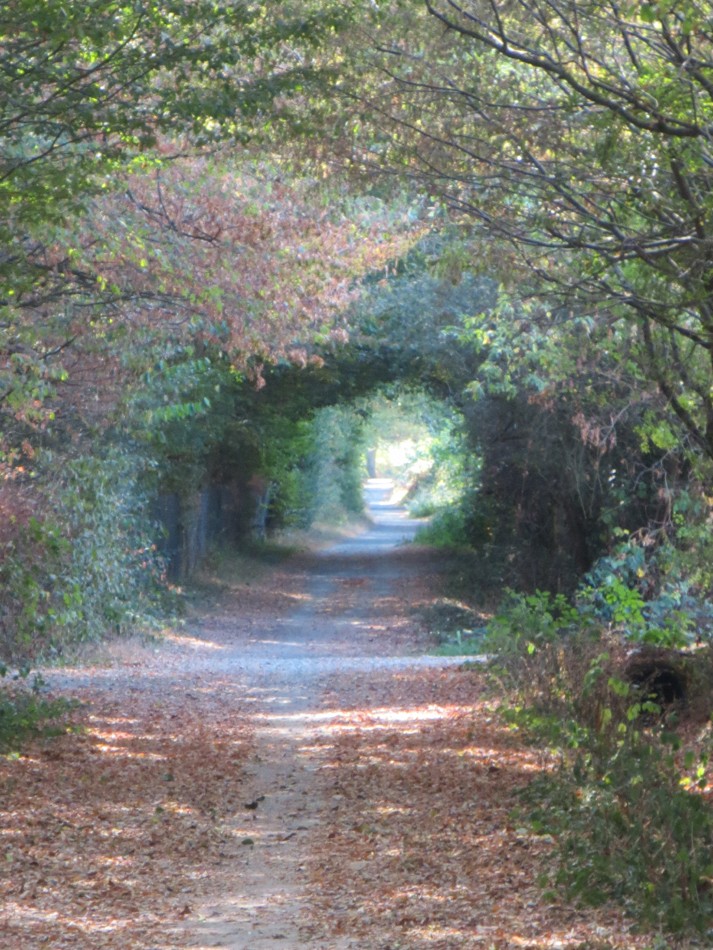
574 139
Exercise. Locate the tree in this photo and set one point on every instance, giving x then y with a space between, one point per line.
84 88
91 93
150 264
579 133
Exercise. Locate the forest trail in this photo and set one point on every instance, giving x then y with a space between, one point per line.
350 621
293 770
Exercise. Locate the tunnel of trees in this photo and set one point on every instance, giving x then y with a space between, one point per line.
228 231
245 246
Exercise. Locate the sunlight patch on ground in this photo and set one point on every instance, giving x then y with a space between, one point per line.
87 925
114 735
195 643
279 643
358 718
109 747
392 810
109 861
15 831
415 714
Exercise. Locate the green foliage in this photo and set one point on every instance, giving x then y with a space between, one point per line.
30 567
627 830
519 346
421 443
553 408
623 806
460 643
89 570
415 315
689 557
335 464
113 570
527 622
25 713
179 412
97 103
456 627
597 178
539 652
446 529
651 594
85 88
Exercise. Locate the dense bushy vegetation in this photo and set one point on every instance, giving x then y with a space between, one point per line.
626 802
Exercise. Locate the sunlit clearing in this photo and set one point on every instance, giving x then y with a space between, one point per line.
412 438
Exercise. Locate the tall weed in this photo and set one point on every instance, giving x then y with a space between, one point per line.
25 713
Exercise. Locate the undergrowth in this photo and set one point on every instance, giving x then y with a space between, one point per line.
84 568
455 626
25 713
628 803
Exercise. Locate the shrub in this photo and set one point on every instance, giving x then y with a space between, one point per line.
626 829
625 803
648 596
447 529
86 570
25 713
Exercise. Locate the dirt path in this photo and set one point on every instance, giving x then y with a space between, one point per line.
180 814
294 770
351 620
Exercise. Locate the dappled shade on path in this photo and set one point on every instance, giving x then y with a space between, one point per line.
292 767
420 847
110 834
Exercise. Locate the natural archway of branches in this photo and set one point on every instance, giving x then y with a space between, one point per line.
251 253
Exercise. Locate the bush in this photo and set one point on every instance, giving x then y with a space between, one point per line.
647 596
627 830
88 569
447 529
625 804
540 652
25 713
